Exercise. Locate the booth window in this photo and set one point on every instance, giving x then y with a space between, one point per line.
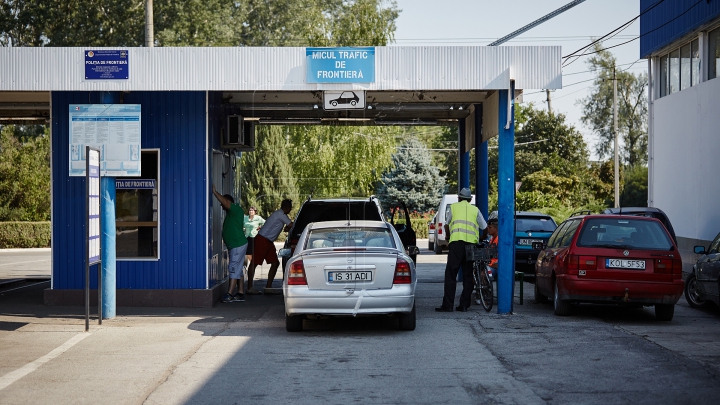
714 53
136 210
680 68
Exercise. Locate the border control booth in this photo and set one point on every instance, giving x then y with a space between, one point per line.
197 108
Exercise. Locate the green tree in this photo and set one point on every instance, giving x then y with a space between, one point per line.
635 187
413 179
270 180
340 161
24 176
632 108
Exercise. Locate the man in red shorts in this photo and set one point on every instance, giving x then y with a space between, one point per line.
264 249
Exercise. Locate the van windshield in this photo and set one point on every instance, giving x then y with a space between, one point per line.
624 233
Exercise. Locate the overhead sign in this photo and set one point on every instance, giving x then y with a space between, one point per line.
344 100
106 64
340 65
114 129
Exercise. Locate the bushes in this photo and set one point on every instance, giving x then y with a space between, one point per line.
24 234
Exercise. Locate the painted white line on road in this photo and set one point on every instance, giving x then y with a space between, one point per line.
13 376
30 261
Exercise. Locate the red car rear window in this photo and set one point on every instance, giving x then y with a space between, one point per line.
627 233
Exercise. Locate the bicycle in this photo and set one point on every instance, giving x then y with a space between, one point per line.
480 256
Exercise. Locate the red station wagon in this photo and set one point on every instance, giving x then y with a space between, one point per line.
615 259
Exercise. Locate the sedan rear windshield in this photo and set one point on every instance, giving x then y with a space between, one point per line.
534 224
625 234
350 237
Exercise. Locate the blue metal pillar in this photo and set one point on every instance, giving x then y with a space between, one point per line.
506 200
481 164
107 226
463 158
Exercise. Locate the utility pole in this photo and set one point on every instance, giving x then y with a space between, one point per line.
149 31
617 158
547 91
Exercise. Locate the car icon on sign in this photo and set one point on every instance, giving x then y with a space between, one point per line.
347 97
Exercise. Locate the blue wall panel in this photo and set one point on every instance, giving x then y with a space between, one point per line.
664 24
174 123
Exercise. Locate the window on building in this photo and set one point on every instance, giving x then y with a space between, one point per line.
695 62
663 76
684 66
136 210
674 75
713 53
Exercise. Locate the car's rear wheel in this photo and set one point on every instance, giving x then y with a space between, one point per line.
437 248
539 298
692 295
562 307
407 320
664 312
294 323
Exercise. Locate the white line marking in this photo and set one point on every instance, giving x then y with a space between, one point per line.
13 376
30 261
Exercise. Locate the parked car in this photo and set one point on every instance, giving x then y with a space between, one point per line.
530 227
652 212
703 285
319 210
405 230
349 268
431 233
440 241
616 259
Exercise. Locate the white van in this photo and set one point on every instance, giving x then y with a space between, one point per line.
438 243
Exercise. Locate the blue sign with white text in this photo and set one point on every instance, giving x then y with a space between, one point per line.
106 65
340 65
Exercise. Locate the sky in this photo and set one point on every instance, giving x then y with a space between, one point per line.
479 22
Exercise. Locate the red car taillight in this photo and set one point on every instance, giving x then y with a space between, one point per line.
403 273
576 263
296 275
669 266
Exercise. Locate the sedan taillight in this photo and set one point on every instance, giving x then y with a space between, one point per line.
669 266
403 273
575 263
296 275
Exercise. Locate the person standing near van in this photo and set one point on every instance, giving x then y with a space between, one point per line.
234 237
463 223
253 222
265 249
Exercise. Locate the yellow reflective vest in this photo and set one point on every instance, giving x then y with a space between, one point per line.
463 225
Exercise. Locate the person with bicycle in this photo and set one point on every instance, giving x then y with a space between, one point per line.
464 222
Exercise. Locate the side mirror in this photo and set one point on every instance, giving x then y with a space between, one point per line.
538 246
285 253
413 250
700 250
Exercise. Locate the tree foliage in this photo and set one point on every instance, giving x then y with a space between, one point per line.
632 109
635 187
24 176
413 179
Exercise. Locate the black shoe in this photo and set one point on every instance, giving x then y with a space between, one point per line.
441 309
461 308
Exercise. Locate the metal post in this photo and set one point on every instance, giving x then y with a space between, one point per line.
481 164
149 29
506 200
617 158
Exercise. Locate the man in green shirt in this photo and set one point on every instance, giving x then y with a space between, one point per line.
233 234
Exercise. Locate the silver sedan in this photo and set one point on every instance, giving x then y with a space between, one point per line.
349 268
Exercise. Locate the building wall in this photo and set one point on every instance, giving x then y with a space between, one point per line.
174 123
686 159
671 20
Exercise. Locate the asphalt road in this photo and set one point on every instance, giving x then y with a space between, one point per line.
240 353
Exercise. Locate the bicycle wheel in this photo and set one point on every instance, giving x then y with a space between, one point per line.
486 290
476 280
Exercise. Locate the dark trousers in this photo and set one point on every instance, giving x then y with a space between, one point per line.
456 258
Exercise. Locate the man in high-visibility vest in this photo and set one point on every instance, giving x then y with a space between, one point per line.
464 222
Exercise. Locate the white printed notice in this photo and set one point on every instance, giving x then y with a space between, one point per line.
114 129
